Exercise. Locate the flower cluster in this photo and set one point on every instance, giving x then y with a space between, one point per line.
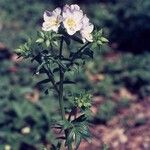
72 19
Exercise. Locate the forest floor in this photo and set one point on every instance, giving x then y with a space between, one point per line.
128 130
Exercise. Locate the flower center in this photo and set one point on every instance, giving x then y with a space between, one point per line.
55 22
71 22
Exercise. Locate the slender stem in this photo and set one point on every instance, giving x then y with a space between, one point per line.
77 53
61 74
80 50
74 56
61 101
51 79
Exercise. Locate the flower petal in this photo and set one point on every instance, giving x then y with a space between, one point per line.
75 7
72 16
57 11
52 20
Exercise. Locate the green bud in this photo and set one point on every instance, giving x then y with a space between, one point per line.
42 34
103 39
40 40
84 100
99 42
47 43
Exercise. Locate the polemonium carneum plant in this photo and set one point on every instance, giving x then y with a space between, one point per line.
65 43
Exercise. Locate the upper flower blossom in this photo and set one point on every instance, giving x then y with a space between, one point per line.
72 18
52 20
86 30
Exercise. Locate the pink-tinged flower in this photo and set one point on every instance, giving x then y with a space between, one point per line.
86 30
52 20
72 16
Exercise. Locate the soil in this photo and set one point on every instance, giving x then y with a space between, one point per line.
128 130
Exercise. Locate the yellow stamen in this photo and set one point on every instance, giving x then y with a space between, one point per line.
71 22
55 22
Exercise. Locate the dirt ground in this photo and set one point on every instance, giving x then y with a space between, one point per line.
129 130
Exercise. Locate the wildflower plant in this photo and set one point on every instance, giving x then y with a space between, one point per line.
65 43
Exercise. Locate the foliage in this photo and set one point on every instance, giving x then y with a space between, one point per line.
106 111
131 71
18 19
106 87
127 23
23 121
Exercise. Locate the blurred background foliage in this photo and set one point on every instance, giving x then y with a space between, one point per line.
26 112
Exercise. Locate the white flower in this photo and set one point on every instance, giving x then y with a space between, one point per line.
72 16
86 30
7 147
73 20
25 130
52 20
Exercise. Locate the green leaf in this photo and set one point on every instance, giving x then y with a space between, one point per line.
70 137
99 42
100 31
85 132
55 43
65 124
77 140
40 40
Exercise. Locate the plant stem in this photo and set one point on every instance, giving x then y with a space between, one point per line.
51 79
80 50
61 74
77 53
61 101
